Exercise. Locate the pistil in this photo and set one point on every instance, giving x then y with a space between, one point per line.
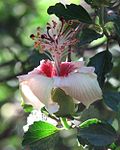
56 41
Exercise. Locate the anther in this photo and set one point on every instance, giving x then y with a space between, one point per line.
32 36
48 28
43 36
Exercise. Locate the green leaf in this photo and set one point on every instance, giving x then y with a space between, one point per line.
27 108
87 36
63 100
54 141
89 122
103 65
115 19
58 141
91 112
117 26
112 99
97 133
113 146
70 12
47 143
38 131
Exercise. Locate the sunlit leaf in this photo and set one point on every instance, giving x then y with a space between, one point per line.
38 131
52 142
27 108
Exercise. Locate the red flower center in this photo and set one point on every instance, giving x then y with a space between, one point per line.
47 68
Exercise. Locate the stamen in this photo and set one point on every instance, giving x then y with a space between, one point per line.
69 33
47 54
38 31
48 24
32 36
38 28
63 55
57 65
55 42
44 36
48 28
36 44
54 24
62 25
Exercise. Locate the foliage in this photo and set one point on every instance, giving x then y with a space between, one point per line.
37 131
71 12
88 35
96 20
103 65
93 132
112 99
59 96
96 133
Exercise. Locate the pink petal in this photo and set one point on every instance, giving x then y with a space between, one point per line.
83 87
29 97
46 68
69 67
36 87
87 70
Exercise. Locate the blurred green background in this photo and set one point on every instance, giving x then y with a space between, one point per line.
18 20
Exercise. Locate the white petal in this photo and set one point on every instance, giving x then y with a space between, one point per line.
29 97
87 70
40 86
52 108
81 86
78 64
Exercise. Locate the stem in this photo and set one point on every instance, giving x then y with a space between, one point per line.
65 123
57 63
107 45
69 54
101 16
48 55
102 22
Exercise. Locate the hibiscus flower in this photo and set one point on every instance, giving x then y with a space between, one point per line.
76 80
